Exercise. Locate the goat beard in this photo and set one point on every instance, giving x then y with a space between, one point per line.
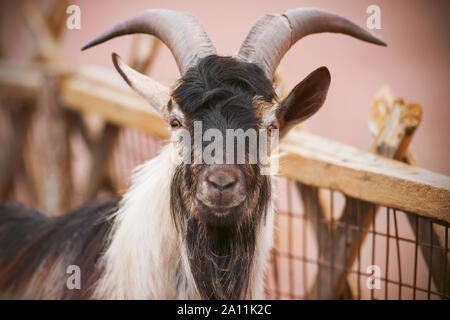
220 259
220 256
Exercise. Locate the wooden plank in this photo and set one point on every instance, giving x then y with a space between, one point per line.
392 141
320 162
101 153
89 90
47 155
380 111
56 16
19 81
13 133
143 52
44 40
124 109
313 208
402 117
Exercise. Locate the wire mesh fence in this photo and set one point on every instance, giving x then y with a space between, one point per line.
396 255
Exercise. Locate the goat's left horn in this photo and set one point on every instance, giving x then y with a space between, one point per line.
274 34
152 91
180 31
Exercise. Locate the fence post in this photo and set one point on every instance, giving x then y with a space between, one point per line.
391 142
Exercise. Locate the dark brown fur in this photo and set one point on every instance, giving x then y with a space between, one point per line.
221 253
28 238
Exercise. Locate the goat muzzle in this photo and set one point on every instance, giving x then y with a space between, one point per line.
220 191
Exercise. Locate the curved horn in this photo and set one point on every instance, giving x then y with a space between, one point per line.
154 93
180 31
274 34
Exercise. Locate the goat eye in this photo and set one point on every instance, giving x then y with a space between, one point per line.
175 124
270 129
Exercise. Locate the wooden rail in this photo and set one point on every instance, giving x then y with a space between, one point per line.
316 161
307 158
90 90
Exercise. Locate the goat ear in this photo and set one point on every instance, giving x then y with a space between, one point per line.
154 93
304 100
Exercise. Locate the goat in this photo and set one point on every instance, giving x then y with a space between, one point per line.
182 231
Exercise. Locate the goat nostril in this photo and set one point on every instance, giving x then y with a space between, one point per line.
222 184
229 185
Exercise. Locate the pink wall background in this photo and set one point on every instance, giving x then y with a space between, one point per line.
415 64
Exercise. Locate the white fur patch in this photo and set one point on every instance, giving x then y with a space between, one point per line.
143 258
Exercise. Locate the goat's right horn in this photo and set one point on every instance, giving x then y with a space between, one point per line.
274 34
180 31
